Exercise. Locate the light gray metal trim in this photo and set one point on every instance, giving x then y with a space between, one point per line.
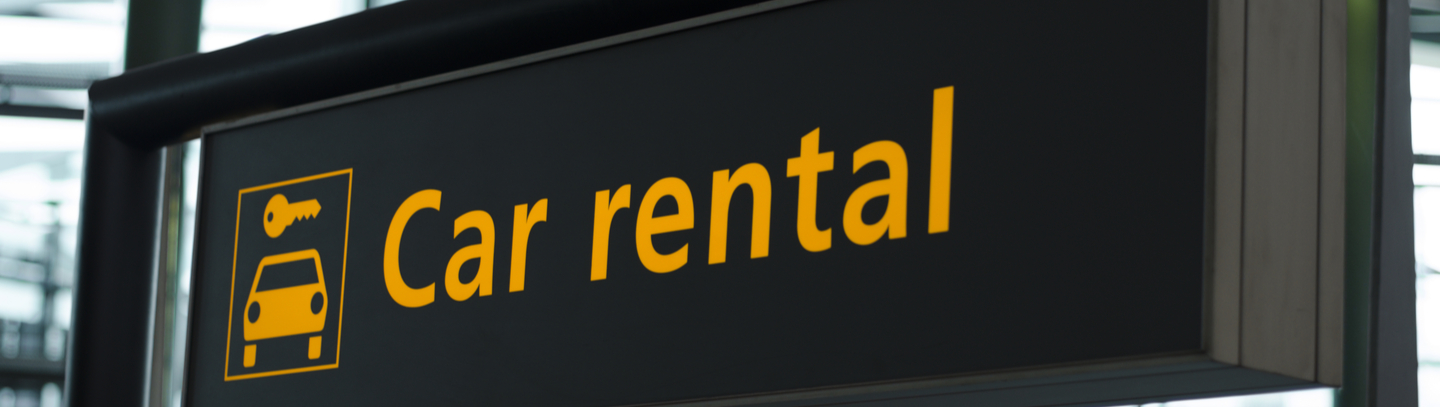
167 268
1277 265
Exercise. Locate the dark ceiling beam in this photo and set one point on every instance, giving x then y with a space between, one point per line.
41 112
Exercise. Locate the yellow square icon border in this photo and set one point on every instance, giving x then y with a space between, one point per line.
344 259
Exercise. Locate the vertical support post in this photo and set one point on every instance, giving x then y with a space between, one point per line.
115 294
1380 359
106 364
158 30
1393 358
1361 93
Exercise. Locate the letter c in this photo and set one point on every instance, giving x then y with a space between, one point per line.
403 294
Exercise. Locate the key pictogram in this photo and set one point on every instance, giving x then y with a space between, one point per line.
280 213
287 287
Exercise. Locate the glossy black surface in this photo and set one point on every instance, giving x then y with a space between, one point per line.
1077 215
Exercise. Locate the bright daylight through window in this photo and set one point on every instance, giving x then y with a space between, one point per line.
1425 129
50 53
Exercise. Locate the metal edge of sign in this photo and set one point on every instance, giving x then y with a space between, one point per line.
1213 100
197 238
501 65
1163 363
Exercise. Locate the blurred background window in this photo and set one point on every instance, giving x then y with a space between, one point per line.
39 208
228 22
50 53
1425 130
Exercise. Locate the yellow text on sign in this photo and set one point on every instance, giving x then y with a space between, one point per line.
481 285
807 167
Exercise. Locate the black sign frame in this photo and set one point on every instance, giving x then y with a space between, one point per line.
1165 374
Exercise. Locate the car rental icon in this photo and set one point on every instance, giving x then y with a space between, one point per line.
286 311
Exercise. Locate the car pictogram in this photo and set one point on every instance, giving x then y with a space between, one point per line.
286 311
